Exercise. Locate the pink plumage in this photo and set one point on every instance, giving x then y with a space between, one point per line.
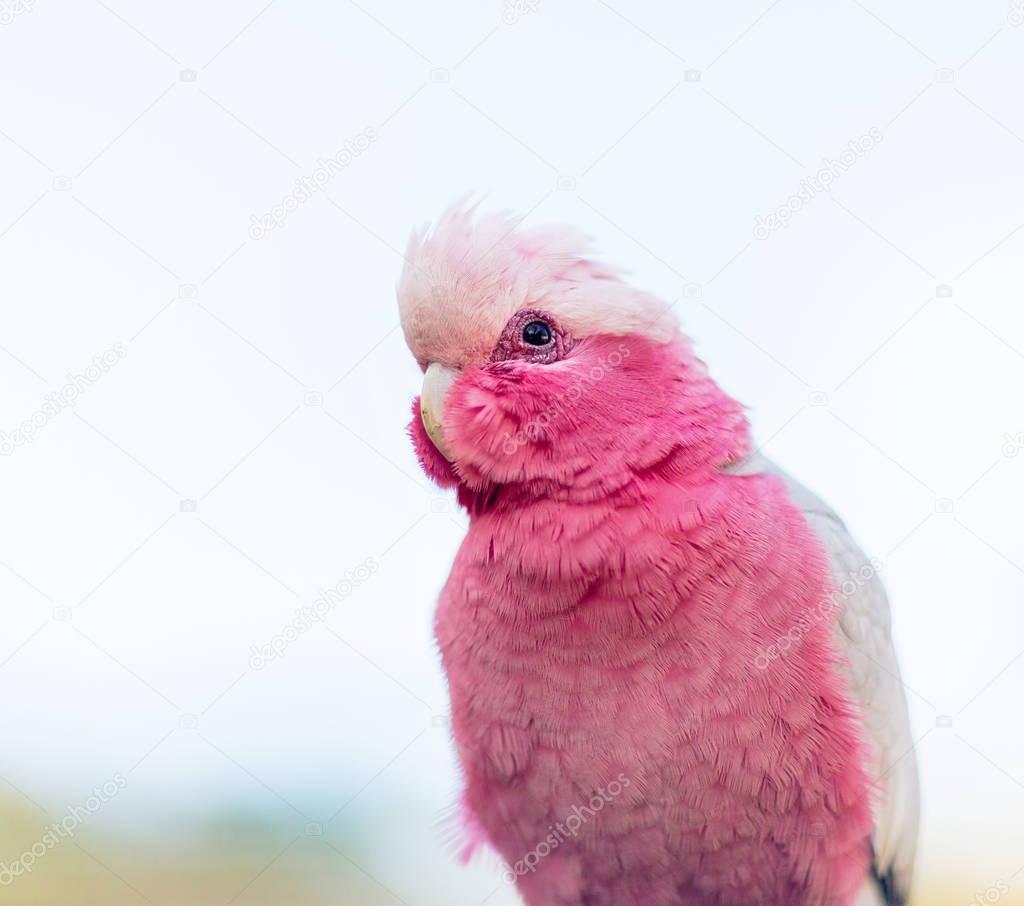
604 626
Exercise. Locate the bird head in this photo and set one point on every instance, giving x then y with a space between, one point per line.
544 370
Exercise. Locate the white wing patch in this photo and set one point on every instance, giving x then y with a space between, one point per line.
864 638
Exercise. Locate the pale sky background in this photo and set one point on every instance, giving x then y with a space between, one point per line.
248 448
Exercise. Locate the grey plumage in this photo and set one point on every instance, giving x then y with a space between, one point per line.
864 639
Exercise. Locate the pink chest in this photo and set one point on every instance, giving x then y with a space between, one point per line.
609 708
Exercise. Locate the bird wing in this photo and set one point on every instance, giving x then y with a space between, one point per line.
864 638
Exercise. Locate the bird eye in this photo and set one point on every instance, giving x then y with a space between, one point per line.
537 333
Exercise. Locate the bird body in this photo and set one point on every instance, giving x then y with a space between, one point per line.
651 699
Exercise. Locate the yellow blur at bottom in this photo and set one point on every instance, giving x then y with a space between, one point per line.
244 863
227 862
952 893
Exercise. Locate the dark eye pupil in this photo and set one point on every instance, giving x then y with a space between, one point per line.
537 333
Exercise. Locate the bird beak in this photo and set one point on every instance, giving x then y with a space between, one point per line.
436 384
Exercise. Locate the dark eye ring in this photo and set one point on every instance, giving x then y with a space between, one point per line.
537 333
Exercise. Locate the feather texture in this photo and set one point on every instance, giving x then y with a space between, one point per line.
864 636
663 691
604 623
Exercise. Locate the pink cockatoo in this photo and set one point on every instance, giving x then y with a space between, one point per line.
671 673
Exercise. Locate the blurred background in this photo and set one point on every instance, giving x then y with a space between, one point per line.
204 391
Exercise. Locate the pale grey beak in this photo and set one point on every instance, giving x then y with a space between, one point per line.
436 384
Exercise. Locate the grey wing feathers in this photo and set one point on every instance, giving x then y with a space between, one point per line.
864 639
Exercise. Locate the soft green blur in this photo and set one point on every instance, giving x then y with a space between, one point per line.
243 861
231 861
